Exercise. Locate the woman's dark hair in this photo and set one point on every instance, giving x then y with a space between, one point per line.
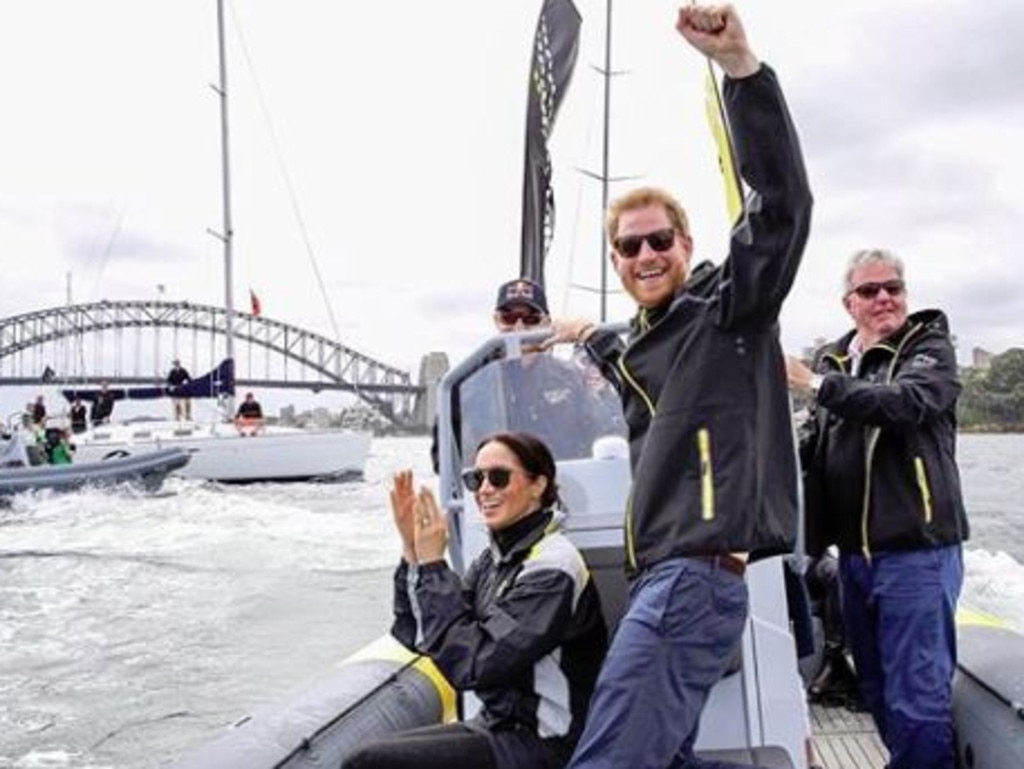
535 457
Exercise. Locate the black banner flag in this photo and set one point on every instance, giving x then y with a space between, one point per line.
555 47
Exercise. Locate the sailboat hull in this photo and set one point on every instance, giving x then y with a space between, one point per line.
219 452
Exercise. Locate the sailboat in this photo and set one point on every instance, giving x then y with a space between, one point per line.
221 450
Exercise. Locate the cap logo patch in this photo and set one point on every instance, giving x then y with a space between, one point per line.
520 290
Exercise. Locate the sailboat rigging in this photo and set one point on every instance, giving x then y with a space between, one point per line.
227 235
218 450
605 149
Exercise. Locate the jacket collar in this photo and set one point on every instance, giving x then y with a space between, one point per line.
522 535
699 280
934 320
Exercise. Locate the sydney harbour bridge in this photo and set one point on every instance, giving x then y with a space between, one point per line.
129 343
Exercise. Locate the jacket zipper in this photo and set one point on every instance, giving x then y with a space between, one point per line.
630 541
628 377
633 383
873 436
707 477
630 546
866 502
840 362
922 484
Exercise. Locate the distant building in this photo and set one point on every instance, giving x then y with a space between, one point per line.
981 359
433 367
320 417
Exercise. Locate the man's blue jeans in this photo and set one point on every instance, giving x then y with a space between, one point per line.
899 610
684 622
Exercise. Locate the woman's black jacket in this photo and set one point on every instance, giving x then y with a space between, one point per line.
524 631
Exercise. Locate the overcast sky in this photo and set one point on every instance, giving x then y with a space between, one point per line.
381 144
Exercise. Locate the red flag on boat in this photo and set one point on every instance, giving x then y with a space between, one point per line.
255 302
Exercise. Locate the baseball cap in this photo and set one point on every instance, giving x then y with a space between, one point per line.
521 291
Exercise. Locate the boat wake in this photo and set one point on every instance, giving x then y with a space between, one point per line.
994 583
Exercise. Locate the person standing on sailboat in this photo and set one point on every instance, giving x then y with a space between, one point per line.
703 386
176 377
78 416
102 406
39 413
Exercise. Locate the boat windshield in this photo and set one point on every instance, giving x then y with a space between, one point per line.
566 403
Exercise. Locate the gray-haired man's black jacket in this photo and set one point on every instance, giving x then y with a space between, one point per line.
524 631
880 458
702 379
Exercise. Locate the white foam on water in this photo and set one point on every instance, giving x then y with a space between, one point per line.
204 525
51 759
119 609
994 582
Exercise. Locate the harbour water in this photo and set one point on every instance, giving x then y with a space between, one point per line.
133 628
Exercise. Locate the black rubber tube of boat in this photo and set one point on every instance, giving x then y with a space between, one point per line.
309 740
1016 707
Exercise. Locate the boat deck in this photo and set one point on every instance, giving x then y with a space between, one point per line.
846 739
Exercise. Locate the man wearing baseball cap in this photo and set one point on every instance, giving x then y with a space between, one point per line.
540 391
521 306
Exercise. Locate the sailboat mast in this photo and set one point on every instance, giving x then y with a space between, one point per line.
227 236
605 155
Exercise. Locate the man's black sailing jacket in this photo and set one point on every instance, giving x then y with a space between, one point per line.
880 460
703 380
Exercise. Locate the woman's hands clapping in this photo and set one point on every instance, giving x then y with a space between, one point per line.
431 528
403 502
421 524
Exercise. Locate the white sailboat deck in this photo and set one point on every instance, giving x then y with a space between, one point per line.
846 740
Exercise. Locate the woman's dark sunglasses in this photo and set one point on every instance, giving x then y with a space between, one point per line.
498 477
511 317
871 290
628 246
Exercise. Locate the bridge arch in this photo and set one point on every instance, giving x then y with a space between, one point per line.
323 363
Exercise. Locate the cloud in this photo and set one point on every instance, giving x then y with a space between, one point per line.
991 303
904 111
901 66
